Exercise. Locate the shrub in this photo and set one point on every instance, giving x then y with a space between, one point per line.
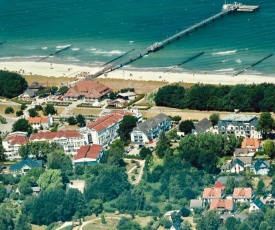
23 106
9 110
19 113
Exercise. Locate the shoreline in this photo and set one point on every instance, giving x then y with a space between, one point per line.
48 69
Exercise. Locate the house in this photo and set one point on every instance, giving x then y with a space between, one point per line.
35 190
212 193
12 143
71 140
41 122
242 195
88 154
127 96
239 125
27 95
90 91
236 166
256 205
35 86
150 129
196 204
117 103
219 184
261 167
222 205
202 126
26 165
252 144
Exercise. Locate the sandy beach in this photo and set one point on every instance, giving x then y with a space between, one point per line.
61 70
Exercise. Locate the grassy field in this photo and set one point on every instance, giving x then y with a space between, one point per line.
3 106
50 81
90 111
37 227
110 225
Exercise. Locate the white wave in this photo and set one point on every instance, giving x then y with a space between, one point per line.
224 70
238 61
225 52
225 61
131 41
44 48
62 47
72 59
108 53
75 49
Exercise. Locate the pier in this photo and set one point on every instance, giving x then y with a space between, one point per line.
226 9
117 57
52 54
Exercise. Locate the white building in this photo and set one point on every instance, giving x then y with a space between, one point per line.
240 125
71 140
88 154
150 129
12 143
41 122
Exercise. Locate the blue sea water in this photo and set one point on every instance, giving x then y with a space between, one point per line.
101 30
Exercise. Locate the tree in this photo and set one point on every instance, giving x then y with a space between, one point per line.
23 106
210 221
80 120
176 119
265 226
260 187
25 188
3 192
72 121
49 109
22 223
53 89
59 160
214 118
19 113
172 135
95 206
186 126
273 187
11 84
63 89
185 212
126 127
162 145
229 186
232 223
2 151
9 110
128 224
22 125
38 107
255 218
144 152
103 220
266 123
50 179
6 219
33 112
269 148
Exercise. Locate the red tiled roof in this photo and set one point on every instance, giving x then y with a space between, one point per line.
88 89
88 151
214 193
218 184
242 193
51 135
17 139
105 121
251 143
222 204
33 120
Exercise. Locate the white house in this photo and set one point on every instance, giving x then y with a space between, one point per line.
71 140
242 195
41 122
261 167
150 129
256 205
12 143
240 125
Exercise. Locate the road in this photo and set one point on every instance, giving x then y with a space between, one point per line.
142 164
7 127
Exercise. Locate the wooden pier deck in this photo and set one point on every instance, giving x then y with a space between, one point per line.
227 9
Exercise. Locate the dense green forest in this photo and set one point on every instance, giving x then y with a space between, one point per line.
246 98
11 84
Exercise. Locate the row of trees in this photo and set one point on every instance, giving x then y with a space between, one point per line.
246 98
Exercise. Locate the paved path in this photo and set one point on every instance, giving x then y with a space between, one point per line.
91 221
7 127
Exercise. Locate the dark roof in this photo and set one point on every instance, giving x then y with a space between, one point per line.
261 164
151 123
258 203
30 92
239 152
236 161
30 162
202 125
195 203
238 120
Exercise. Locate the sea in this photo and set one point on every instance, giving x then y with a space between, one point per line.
101 30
